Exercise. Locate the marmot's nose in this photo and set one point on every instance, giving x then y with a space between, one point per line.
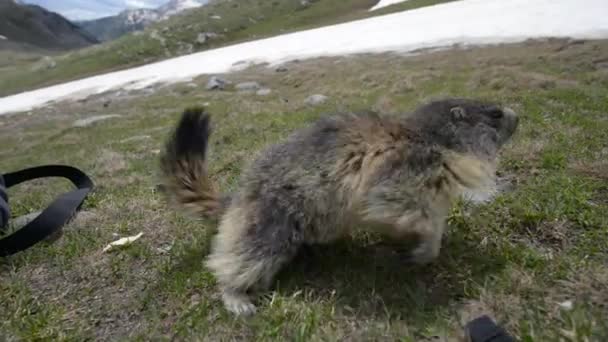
509 112
511 116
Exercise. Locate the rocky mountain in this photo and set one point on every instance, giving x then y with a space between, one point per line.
131 20
109 28
31 26
174 7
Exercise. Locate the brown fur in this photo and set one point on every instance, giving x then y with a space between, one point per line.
396 175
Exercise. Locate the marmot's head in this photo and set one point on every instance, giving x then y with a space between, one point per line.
465 125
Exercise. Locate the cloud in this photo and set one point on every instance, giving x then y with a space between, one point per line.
83 14
92 9
143 3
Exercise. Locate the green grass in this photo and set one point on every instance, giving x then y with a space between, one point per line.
241 21
541 243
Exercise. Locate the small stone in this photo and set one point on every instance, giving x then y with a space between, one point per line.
247 86
264 92
45 62
89 121
203 37
216 83
281 69
316 99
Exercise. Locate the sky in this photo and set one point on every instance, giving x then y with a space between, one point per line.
92 9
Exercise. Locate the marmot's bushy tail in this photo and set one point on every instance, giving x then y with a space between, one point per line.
186 179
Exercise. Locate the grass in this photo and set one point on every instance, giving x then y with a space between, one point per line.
240 21
539 244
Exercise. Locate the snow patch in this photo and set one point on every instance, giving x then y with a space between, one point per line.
458 22
142 15
384 3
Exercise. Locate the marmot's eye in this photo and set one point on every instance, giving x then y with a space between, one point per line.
496 113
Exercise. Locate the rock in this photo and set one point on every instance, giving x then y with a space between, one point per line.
50 63
89 121
281 69
45 62
216 83
247 86
316 99
185 48
203 37
216 17
264 92
304 3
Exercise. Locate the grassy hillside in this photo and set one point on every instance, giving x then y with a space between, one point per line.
238 21
534 258
33 26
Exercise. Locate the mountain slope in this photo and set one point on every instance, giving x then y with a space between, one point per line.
546 18
33 26
110 28
219 23
113 27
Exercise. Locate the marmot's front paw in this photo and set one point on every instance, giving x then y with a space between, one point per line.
238 303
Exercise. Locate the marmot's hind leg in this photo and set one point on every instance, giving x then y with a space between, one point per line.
248 252
431 232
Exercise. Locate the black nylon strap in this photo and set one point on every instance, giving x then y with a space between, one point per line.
4 212
58 213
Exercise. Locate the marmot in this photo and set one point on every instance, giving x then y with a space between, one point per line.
395 174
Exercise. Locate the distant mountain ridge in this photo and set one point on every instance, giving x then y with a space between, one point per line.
31 26
109 28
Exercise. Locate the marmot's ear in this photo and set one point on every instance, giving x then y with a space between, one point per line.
458 113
